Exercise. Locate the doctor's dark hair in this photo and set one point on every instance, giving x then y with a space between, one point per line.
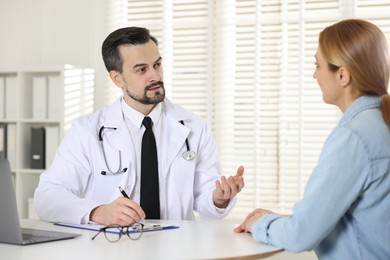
362 48
123 36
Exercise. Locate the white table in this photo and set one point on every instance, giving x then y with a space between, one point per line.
193 240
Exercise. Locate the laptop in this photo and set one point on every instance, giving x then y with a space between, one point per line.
10 230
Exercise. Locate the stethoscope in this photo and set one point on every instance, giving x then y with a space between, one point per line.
187 155
110 172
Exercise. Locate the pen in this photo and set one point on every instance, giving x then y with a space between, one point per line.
123 193
127 197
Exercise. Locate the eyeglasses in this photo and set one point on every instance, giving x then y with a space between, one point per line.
114 233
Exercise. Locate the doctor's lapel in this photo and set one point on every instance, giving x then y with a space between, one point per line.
174 135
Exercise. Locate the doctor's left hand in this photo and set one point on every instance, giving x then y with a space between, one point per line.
227 188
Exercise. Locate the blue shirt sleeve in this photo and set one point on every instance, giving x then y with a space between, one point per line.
334 185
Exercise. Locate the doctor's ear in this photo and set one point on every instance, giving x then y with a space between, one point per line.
116 77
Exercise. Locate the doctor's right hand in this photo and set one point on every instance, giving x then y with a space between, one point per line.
121 211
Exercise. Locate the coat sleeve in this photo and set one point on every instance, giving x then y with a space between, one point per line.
59 196
207 171
344 162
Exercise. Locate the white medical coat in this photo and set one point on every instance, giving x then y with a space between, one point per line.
74 185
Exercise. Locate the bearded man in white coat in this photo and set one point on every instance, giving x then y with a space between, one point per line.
102 151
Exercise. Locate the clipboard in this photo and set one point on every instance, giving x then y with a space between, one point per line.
148 227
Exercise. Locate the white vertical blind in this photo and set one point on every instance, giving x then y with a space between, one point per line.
190 55
246 67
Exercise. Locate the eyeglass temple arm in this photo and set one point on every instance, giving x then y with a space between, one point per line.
100 231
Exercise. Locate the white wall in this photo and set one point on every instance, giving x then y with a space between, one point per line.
43 33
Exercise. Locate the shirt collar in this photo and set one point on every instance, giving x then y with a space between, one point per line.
136 117
360 104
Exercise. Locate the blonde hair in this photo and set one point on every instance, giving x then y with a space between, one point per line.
362 48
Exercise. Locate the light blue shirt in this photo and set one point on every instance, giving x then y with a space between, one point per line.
345 211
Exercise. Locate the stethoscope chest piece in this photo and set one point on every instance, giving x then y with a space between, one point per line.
189 155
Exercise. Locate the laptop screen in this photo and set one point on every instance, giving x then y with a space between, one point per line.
10 231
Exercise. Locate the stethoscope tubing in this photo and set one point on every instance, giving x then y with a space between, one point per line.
109 172
187 155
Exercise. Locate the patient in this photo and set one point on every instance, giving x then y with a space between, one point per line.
344 213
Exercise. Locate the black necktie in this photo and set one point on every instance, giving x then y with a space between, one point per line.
150 201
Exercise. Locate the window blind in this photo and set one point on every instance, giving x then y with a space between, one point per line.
246 67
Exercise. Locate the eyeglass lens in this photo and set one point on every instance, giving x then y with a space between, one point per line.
134 232
113 234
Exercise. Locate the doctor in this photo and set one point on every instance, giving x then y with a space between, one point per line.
102 151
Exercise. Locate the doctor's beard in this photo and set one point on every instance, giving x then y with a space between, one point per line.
157 98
